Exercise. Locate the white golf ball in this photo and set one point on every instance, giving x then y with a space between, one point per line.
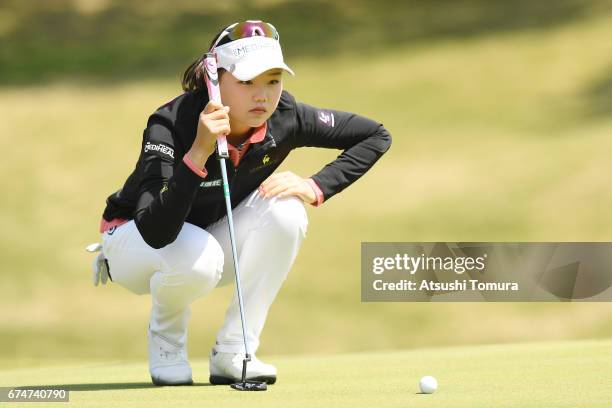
428 384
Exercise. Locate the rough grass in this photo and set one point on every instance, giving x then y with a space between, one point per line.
498 137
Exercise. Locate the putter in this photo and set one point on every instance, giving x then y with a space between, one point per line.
212 83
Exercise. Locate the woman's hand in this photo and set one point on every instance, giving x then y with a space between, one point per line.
287 184
213 122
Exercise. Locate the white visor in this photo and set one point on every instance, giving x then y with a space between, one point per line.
248 57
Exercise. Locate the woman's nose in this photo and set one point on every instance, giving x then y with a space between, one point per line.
260 95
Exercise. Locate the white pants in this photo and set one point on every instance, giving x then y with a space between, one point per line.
269 233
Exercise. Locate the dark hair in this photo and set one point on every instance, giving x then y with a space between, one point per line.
193 77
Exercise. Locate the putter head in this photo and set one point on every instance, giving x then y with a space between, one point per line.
250 386
246 385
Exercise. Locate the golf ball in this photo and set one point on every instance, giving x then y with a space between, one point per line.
428 384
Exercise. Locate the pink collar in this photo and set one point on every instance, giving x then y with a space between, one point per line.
259 133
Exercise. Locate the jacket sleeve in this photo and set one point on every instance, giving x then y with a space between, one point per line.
167 189
362 140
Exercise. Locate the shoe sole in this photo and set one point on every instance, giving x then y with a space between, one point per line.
220 380
162 383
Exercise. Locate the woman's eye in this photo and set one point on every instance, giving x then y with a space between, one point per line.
246 82
274 82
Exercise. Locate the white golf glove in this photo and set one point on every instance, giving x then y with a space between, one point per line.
99 266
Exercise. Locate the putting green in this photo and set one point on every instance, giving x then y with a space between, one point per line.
552 374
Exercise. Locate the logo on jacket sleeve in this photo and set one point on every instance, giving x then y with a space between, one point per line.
265 160
163 149
327 118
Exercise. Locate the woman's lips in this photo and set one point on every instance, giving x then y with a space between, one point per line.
258 111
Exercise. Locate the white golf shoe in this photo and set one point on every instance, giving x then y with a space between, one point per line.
168 363
226 368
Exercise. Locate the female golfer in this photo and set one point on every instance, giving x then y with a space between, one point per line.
165 231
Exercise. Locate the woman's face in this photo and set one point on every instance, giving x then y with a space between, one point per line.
251 102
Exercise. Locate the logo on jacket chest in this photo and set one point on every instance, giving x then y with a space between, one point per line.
265 161
211 183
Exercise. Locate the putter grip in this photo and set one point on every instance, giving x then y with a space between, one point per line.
214 94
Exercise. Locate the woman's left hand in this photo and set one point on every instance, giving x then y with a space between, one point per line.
286 184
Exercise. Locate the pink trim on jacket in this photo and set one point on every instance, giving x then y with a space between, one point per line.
106 225
200 172
317 191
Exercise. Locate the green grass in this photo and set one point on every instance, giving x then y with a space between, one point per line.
551 374
113 40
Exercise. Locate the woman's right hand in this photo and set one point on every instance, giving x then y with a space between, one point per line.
212 123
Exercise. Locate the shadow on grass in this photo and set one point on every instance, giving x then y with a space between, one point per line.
104 386
597 97
127 40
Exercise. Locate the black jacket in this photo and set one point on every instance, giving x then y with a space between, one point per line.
162 192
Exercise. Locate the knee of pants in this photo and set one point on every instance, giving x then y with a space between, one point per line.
288 216
196 259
